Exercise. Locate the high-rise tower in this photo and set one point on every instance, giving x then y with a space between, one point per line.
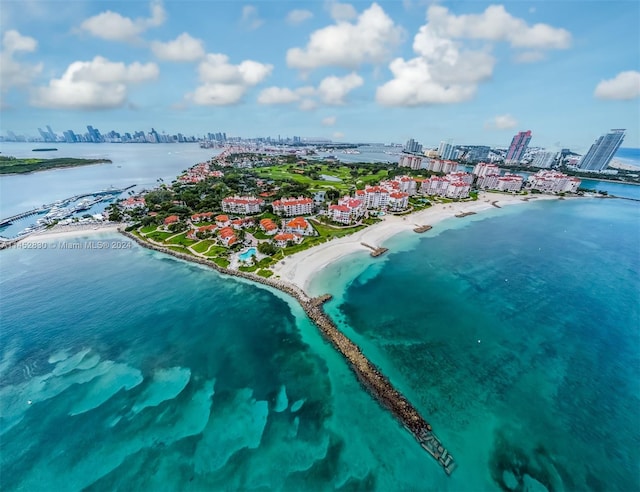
518 146
602 151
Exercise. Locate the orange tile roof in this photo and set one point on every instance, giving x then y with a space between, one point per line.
222 218
298 222
226 232
284 237
171 219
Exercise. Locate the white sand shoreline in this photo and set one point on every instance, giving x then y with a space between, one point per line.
74 230
301 267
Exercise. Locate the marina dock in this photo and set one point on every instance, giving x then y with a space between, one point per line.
61 203
371 378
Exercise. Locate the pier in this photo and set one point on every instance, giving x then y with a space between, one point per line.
371 378
422 228
464 214
375 251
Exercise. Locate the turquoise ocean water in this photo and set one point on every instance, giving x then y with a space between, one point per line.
516 334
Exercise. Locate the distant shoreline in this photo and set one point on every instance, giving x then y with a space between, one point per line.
27 167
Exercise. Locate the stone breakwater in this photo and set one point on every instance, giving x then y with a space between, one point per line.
367 373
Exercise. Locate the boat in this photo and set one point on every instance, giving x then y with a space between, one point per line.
44 149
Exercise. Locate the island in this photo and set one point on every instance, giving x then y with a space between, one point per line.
277 219
15 165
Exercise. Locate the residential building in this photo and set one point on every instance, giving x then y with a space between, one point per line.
133 202
477 153
412 146
293 206
553 182
227 236
544 159
268 226
602 151
518 147
484 168
172 219
222 220
398 200
510 182
201 217
243 205
488 181
406 184
299 226
453 185
410 160
376 197
347 210
457 189
283 239
446 151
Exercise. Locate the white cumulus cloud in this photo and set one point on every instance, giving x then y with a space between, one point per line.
624 86
342 11
370 39
224 83
182 49
501 122
113 26
95 84
332 90
298 16
250 17
496 24
450 65
329 121
278 95
12 72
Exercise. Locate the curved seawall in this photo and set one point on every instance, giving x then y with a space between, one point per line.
376 383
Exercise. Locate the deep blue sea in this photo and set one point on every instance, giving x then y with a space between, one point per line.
515 332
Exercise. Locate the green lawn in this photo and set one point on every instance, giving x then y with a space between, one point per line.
222 262
203 245
264 272
343 173
326 231
148 229
216 251
159 235
182 239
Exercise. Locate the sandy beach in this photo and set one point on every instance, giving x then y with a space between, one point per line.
300 268
74 230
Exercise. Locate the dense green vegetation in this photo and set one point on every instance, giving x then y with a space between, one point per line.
13 165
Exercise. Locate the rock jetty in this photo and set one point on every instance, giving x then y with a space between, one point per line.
367 373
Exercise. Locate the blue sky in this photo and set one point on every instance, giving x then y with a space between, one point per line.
471 72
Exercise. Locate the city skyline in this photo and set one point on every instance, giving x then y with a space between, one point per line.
468 73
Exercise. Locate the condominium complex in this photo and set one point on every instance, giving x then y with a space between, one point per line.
518 147
453 185
293 206
243 205
410 160
544 159
602 151
553 182
347 210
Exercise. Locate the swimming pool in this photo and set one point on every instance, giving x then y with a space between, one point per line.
245 255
